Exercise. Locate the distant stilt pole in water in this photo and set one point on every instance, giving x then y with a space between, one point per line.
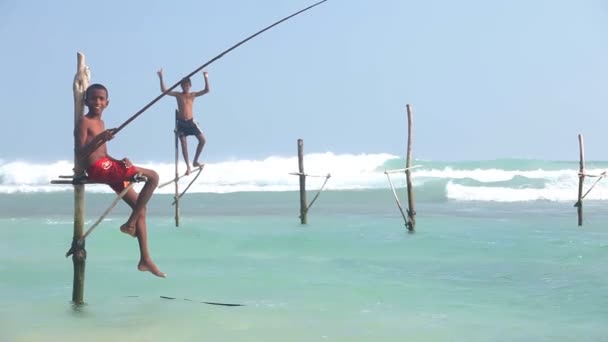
304 208
176 171
411 213
581 179
410 218
79 87
303 205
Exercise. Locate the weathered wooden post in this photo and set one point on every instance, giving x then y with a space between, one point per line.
176 171
81 82
581 179
304 208
303 205
411 213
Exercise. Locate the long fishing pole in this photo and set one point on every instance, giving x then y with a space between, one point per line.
208 63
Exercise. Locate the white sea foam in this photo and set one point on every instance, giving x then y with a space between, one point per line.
270 174
348 171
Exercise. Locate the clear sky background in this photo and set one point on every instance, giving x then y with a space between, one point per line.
486 79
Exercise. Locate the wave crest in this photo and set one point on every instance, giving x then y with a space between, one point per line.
509 180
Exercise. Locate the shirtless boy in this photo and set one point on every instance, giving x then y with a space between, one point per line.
185 119
101 168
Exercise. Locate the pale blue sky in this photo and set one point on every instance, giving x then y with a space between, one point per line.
486 79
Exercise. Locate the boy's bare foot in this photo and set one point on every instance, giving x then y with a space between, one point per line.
149 266
130 230
188 170
197 164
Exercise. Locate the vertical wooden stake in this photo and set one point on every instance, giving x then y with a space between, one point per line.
411 213
303 205
79 87
176 171
581 179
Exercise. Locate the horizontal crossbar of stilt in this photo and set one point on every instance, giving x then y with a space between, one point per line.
84 180
402 170
603 174
307 175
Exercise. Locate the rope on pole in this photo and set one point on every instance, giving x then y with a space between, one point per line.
396 197
189 185
318 192
105 213
601 176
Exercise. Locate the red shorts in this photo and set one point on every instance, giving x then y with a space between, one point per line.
112 172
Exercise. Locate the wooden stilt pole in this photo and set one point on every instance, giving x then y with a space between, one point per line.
303 205
81 82
176 171
581 179
411 213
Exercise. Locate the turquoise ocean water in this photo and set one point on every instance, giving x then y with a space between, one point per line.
497 256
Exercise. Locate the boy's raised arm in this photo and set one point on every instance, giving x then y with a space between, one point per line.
163 88
206 90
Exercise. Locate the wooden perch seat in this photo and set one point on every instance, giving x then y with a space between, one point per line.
82 179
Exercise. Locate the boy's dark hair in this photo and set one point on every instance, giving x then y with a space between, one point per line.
186 80
95 86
